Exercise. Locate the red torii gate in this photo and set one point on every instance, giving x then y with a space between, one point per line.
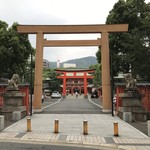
83 74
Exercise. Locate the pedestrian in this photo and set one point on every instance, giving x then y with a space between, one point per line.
76 94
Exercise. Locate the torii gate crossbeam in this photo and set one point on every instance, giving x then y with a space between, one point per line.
62 43
40 30
71 29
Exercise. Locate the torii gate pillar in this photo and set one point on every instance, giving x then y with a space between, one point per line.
106 87
38 72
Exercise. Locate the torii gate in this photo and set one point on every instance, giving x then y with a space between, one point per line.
75 74
40 30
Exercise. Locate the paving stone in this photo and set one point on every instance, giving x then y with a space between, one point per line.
100 130
62 138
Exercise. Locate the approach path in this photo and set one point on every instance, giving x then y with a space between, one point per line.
100 131
73 105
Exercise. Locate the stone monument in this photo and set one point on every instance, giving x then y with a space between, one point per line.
131 109
13 108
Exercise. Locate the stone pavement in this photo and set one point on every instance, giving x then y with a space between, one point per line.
100 132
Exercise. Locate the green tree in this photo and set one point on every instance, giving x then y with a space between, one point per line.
97 81
49 73
30 66
131 50
98 55
52 76
15 50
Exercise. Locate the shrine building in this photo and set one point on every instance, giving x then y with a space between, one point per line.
75 80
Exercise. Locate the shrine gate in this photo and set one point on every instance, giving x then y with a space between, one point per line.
75 80
103 41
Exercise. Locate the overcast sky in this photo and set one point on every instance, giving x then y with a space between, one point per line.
58 12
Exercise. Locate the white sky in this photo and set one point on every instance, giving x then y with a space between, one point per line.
58 12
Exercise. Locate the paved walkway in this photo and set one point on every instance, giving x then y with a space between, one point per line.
100 131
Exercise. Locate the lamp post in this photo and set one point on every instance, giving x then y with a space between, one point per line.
31 86
112 80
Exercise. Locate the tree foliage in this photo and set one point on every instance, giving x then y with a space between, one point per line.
15 50
131 50
97 74
51 74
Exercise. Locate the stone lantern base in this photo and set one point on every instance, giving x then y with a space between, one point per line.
13 101
132 103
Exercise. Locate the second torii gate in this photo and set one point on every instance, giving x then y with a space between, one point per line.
40 30
82 74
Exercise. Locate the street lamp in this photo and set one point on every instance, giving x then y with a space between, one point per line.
31 86
112 80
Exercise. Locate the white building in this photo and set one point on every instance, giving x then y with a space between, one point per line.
67 65
45 63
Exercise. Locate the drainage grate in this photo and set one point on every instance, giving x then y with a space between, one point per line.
20 135
109 140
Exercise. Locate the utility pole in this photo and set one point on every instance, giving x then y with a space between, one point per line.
31 85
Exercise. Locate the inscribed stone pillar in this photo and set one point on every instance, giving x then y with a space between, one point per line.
106 88
38 72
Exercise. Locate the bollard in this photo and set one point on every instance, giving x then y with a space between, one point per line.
116 129
85 127
56 126
148 125
2 121
28 124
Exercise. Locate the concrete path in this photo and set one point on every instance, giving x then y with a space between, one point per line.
100 131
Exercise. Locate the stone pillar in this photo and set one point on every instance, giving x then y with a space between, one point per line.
1 122
148 125
38 72
106 88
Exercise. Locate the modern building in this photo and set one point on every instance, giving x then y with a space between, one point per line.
46 63
69 65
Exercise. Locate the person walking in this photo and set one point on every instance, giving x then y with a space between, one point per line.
76 94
